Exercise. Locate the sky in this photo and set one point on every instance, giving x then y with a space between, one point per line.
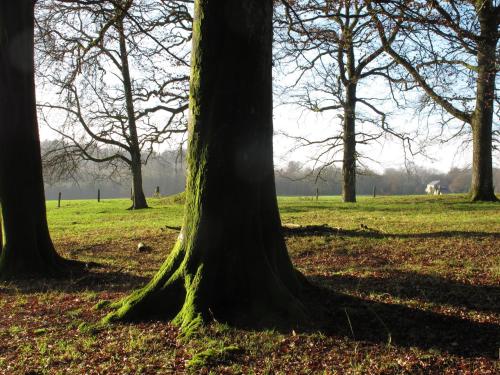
386 153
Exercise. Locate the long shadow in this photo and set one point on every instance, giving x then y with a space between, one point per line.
366 232
98 278
341 314
397 325
427 288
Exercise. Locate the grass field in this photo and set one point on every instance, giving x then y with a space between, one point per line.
409 285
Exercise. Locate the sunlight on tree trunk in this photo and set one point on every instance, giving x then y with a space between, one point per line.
482 118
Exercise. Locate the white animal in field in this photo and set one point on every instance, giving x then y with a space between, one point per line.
435 188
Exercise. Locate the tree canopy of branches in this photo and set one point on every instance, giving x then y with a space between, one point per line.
339 65
449 49
120 70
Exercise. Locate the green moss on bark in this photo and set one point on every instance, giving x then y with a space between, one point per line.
230 262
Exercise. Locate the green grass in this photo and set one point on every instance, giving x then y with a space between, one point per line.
409 285
394 214
109 219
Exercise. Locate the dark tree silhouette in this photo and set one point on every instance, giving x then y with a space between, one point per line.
230 261
26 245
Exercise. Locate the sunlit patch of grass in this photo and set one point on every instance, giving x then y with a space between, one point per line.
15 330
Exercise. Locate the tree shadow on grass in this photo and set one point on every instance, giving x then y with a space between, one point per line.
427 288
96 278
366 232
398 325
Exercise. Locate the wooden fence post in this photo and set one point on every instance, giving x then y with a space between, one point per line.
98 195
59 200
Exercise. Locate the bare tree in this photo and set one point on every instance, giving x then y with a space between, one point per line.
333 50
449 49
119 69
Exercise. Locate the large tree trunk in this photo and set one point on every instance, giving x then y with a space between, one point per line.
138 197
349 141
230 262
482 118
26 245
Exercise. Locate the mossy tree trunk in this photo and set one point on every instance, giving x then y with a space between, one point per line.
482 117
26 245
230 261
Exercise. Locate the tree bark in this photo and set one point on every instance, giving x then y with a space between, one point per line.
27 248
482 118
139 199
349 125
230 261
349 141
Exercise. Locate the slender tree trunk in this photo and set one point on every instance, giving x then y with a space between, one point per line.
139 199
482 118
349 137
349 159
230 262
26 245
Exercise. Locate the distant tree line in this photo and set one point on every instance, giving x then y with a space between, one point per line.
294 180
166 170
